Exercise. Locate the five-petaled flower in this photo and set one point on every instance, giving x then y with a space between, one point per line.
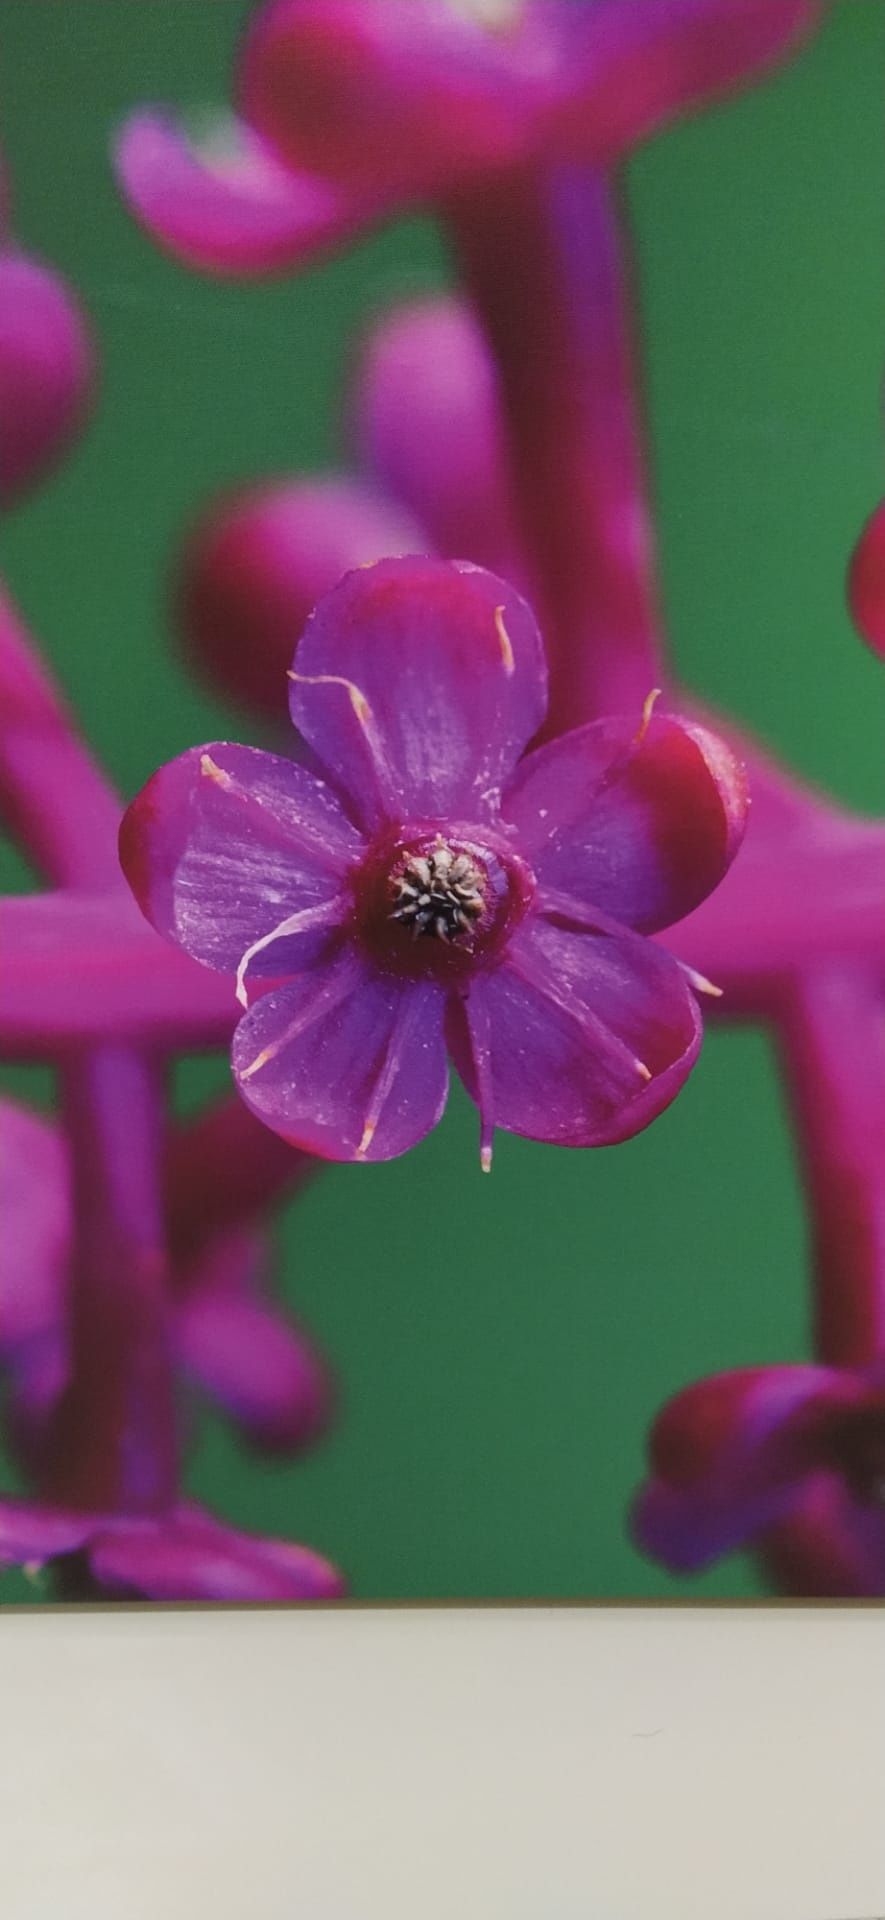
429 893
789 1460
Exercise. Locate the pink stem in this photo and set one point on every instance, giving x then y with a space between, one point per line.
833 1043
789 902
113 1440
541 257
79 967
53 796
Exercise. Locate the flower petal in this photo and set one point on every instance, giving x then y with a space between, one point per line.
687 1535
225 844
222 202
866 582
642 824
831 1545
443 684
78 966
625 70
428 420
589 1038
724 1423
258 563
189 1556
46 371
347 1063
408 96
731 1457
246 1354
31 1532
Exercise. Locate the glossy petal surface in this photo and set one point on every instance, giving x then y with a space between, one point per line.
572 1020
643 830
331 1041
444 684
224 844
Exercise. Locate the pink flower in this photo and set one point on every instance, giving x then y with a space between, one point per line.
866 582
258 562
788 1460
46 366
350 110
426 892
181 1554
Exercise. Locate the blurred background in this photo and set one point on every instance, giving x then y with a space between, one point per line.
493 1401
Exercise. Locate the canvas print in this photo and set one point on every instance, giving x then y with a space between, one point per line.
442 994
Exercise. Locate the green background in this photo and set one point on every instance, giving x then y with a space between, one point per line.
494 1398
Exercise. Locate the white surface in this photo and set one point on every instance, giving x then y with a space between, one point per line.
443 1765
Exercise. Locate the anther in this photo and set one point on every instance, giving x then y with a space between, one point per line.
440 893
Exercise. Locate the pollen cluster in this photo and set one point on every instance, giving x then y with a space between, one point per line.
440 893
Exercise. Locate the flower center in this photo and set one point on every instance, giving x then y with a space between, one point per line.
439 901
440 894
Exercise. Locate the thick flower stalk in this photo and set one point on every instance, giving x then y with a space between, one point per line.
98 1296
416 888
93 1385
428 889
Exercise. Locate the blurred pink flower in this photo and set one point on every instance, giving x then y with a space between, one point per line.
352 110
866 582
787 1460
47 368
181 1553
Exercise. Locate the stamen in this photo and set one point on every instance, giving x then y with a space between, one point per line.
365 720
210 770
440 893
396 1047
288 833
504 641
647 711
479 1035
323 915
358 700
699 981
